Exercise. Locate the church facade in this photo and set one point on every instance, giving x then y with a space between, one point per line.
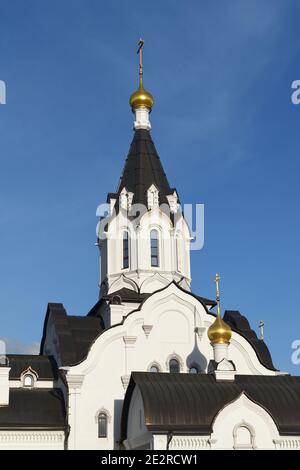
152 365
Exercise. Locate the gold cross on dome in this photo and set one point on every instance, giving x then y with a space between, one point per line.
217 278
140 52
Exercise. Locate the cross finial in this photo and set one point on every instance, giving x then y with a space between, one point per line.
261 329
140 52
217 278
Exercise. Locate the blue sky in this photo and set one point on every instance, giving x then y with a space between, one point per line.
223 124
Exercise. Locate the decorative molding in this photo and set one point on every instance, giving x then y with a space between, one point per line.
74 381
129 341
155 277
250 429
287 443
243 405
225 375
212 442
112 203
38 384
126 199
173 202
155 364
249 355
125 381
200 330
190 443
118 281
106 412
142 119
224 370
147 329
34 437
175 356
152 197
29 371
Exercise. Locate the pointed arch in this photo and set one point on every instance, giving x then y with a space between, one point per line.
154 282
29 377
154 367
119 282
174 363
257 428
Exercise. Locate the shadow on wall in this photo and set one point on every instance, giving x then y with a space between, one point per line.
196 358
118 406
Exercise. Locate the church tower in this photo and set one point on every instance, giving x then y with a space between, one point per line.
144 241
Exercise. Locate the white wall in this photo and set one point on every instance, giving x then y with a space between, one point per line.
138 435
118 351
243 413
171 264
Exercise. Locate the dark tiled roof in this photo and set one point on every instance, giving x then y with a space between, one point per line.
118 297
189 403
143 168
75 334
129 295
35 408
44 366
76 339
240 324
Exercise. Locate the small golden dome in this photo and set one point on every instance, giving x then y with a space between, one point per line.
219 332
141 98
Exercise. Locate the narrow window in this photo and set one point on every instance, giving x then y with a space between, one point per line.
174 366
102 425
154 248
125 250
154 368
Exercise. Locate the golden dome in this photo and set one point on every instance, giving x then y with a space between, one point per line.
141 98
219 332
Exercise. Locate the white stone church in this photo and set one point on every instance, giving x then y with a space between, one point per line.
151 365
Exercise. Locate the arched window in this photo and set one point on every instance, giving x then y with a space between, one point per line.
125 250
28 380
102 425
174 366
193 370
154 240
154 368
243 436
